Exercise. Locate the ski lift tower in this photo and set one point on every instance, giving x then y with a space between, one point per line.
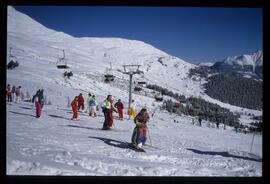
131 70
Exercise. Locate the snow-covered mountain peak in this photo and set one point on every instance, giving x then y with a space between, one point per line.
21 23
246 64
30 39
208 64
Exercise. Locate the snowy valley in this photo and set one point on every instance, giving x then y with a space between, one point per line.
55 145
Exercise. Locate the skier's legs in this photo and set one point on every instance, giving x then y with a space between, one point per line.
110 119
76 113
95 111
9 98
106 122
134 136
141 139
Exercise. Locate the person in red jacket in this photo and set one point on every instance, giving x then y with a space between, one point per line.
81 102
74 105
9 94
119 105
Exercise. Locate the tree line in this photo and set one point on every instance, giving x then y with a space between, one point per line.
197 107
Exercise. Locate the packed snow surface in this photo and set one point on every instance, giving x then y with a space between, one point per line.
55 145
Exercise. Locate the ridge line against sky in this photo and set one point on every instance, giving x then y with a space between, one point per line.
192 34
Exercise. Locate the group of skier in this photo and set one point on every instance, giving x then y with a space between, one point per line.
13 94
108 107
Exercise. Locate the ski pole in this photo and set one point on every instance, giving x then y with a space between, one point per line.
149 137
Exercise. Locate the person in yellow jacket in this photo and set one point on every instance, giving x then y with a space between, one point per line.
132 110
106 107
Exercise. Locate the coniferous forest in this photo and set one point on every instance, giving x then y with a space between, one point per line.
235 90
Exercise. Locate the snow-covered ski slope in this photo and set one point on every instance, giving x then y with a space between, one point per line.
55 145
37 49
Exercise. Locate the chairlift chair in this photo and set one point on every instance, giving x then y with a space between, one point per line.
62 62
109 77
159 97
137 88
12 60
68 73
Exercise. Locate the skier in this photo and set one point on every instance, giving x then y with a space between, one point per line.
217 123
88 102
9 95
38 106
138 137
200 121
119 105
18 94
74 105
111 114
81 102
132 110
13 91
93 106
33 99
39 98
106 107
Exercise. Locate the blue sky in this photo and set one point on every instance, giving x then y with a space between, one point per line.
192 34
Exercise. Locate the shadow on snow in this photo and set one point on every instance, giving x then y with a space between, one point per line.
76 126
55 116
112 142
224 154
22 114
25 107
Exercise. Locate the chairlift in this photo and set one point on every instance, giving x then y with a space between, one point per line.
62 62
68 73
137 88
12 61
109 76
159 97
141 82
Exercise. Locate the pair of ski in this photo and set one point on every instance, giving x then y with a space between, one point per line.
141 149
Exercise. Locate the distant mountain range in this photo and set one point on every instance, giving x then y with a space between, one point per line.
247 65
